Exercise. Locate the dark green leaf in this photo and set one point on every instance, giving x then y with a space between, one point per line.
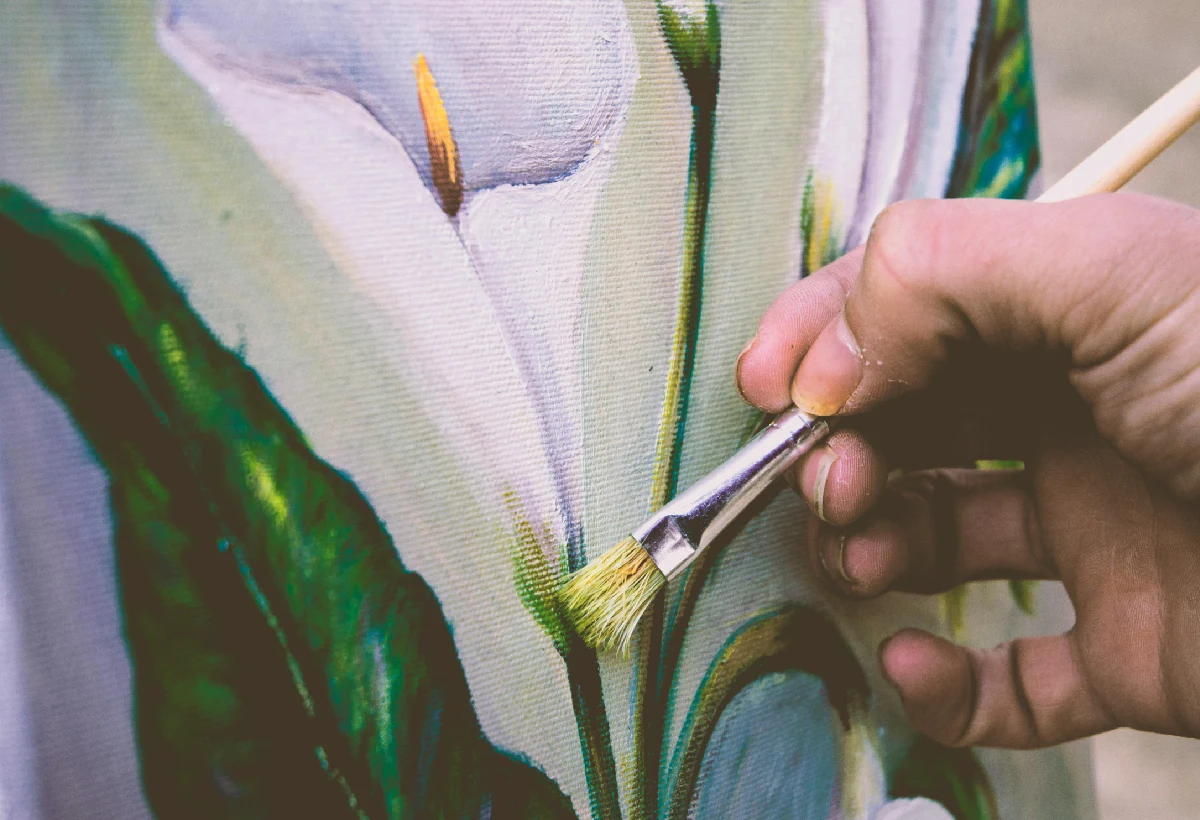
286 662
997 151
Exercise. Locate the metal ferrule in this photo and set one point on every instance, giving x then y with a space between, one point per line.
692 520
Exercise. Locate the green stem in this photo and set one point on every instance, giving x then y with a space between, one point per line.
649 723
535 582
694 580
652 686
668 447
587 701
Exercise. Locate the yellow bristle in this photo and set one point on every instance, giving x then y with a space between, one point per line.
605 599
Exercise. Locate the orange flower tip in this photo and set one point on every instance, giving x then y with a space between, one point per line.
445 167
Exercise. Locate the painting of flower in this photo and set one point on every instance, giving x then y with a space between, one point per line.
447 301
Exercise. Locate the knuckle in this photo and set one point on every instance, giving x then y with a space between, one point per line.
930 497
965 729
1026 717
903 244
811 300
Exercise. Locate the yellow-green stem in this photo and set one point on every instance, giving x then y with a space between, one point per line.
668 447
651 723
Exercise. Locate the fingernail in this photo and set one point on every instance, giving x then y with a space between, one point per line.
841 561
830 372
883 664
737 367
821 476
821 553
833 558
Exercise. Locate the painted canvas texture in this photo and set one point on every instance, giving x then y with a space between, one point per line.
336 333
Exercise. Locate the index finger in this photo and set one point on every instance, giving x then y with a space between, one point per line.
788 329
1016 276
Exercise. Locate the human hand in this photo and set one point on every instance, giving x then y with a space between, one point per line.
1064 335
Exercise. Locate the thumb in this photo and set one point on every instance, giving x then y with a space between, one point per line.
1017 276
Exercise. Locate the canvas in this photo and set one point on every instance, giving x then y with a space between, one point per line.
335 333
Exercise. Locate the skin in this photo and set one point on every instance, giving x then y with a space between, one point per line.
1065 335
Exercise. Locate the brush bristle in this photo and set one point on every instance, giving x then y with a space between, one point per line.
605 600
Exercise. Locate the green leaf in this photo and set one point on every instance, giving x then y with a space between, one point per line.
286 663
536 580
221 727
952 777
790 639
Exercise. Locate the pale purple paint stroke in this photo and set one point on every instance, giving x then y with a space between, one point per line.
527 85
893 34
841 139
76 737
943 62
920 52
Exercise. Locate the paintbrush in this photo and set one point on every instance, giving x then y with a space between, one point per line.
605 600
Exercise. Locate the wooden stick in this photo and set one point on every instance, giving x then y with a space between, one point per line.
1117 161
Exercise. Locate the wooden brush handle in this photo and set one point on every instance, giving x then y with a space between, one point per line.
1116 162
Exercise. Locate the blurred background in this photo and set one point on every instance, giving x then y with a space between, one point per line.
1097 63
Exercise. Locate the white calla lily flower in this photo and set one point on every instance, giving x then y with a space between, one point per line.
485 295
528 85
488 298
